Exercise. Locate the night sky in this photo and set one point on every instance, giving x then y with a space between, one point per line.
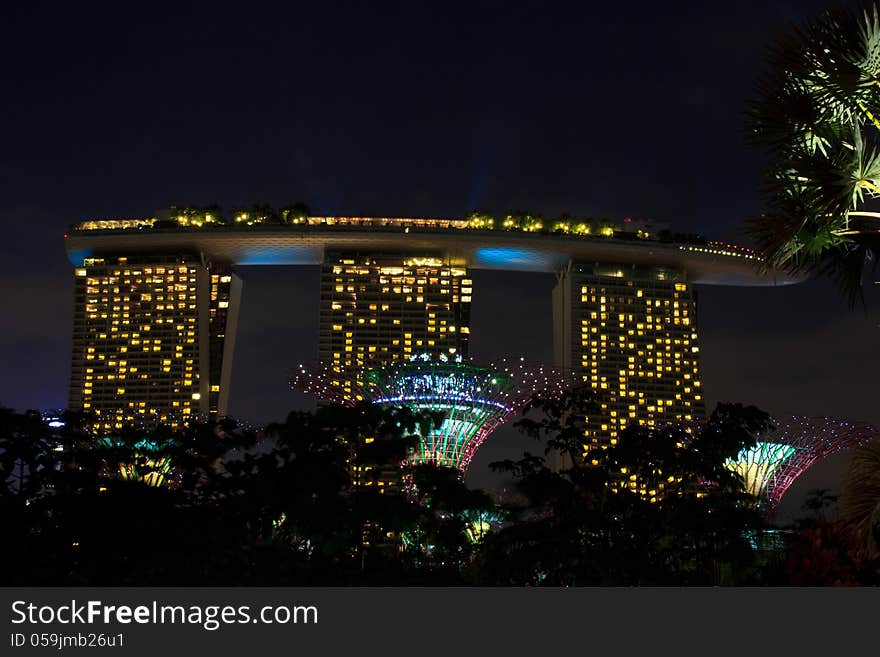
612 109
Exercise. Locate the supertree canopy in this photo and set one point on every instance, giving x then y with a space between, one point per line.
143 461
786 452
473 399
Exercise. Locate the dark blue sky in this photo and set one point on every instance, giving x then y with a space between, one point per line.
612 109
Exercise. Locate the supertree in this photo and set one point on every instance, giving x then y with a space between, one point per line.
784 453
472 399
143 459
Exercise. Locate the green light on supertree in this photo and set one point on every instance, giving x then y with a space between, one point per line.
788 450
472 399
757 465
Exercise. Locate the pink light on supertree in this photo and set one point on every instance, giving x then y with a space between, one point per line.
474 399
783 454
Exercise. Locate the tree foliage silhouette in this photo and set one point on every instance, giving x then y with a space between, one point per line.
817 114
660 507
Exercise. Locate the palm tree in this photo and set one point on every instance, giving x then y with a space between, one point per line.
817 114
860 500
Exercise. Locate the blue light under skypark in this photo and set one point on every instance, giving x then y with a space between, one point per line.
279 255
503 257
77 256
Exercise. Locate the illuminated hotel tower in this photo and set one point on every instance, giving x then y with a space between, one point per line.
380 308
631 333
152 338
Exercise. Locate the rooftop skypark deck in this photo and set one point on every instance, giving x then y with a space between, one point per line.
523 243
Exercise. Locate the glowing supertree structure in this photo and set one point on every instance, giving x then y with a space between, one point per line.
473 399
152 472
143 462
786 452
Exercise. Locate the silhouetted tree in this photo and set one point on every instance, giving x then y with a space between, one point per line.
860 500
816 114
822 550
295 213
660 507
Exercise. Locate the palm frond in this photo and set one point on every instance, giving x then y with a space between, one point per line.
860 499
818 115
845 265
